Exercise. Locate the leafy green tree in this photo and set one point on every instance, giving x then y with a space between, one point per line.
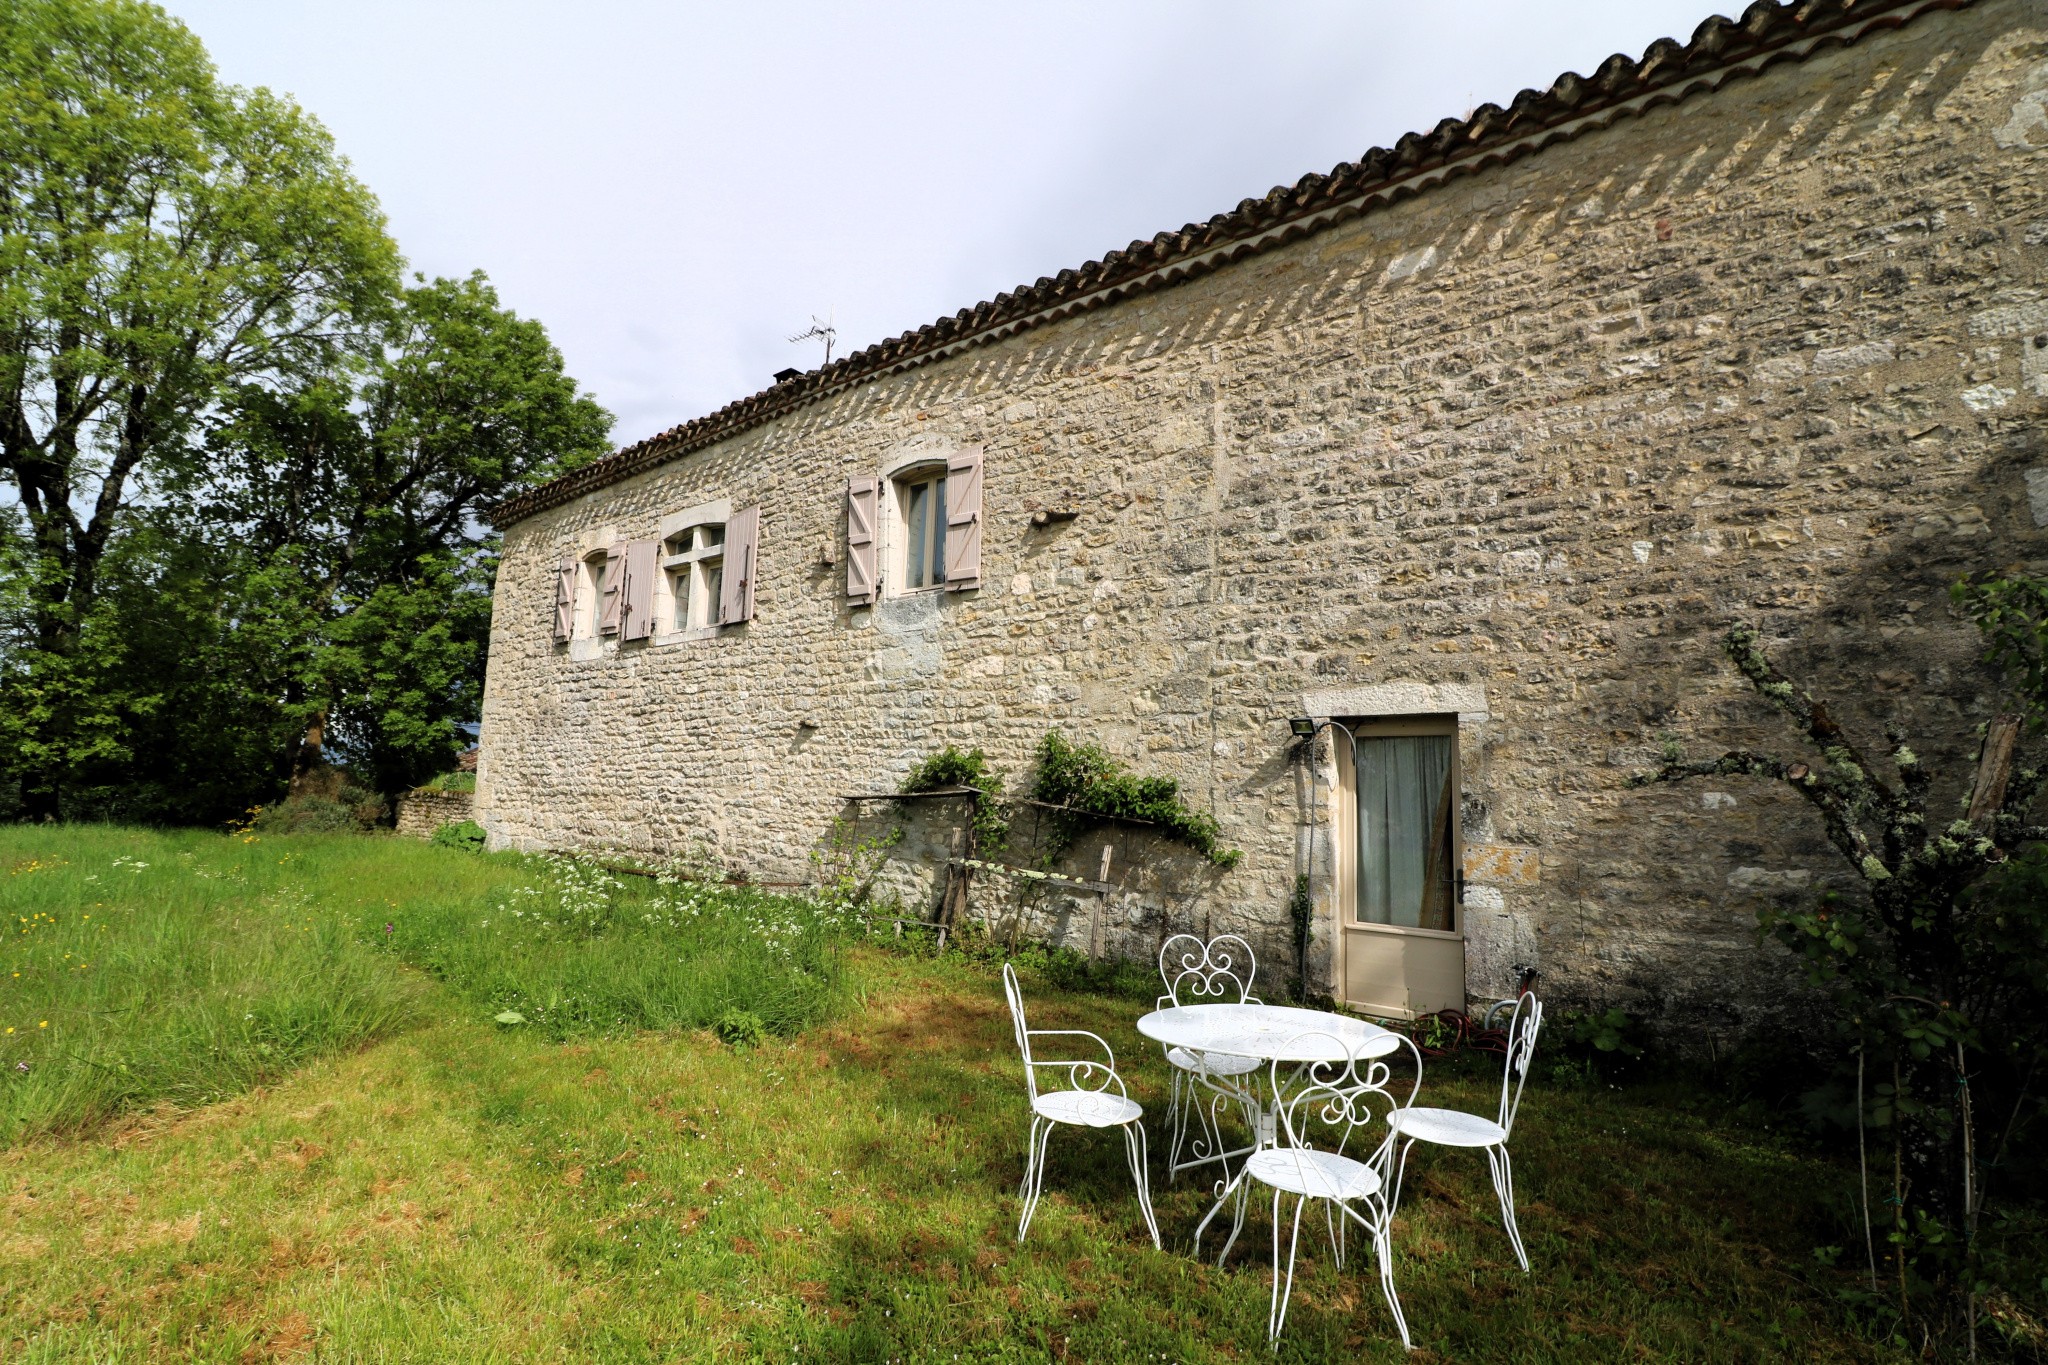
163 239
365 492
245 467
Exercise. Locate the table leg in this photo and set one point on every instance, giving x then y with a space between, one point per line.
1264 1130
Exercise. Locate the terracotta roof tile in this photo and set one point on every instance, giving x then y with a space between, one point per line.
1768 32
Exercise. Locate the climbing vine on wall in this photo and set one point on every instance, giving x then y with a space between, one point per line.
951 767
1092 785
1086 783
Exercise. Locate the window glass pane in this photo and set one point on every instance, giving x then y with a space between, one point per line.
679 587
938 573
714 588
708 536
1404 831
917 502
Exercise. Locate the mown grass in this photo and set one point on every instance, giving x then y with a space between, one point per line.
464 1191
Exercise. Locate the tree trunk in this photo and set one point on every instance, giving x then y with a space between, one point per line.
308 754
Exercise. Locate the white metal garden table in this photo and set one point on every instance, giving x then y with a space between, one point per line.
1270 1033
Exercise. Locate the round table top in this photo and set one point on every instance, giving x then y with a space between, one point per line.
1279 1033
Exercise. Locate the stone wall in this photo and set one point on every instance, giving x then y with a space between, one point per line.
1535 437
420 813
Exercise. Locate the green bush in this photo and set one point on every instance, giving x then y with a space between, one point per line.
450 782
740 1028
950 767
331 806
463 834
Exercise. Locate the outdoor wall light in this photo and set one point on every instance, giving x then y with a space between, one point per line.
1304 727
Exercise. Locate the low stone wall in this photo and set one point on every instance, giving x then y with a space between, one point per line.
420 813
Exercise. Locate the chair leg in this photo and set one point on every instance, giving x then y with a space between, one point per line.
1276 1317
1034 1171
1400 1173
1139 1158
1383 1252
1504 1186
1224 1190
1176 1121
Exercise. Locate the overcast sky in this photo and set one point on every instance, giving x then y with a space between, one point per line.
675 188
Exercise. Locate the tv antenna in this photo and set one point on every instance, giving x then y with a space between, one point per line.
820 330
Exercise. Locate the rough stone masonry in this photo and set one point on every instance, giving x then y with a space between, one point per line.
1514 443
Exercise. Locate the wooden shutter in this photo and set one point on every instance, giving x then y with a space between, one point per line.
565 599
614 573
742 551
637 615
963 519
863 500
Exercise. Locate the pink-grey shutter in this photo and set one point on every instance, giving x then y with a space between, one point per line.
614 599
565 599
638 612
963 519
742 550
863 499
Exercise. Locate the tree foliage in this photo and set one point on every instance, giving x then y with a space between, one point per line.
242 465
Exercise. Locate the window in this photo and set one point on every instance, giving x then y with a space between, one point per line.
1406 827
921 495
695 564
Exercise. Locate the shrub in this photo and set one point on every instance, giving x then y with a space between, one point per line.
307 815
950 767
740 1028
450 782
467 835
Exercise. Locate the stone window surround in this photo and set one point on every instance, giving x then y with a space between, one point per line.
584 641
1386 700
890 529
717 511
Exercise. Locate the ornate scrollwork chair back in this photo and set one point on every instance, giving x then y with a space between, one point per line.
1525 1021
1218 972
1195 971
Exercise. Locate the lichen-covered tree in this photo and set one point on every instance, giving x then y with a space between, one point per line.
1937 964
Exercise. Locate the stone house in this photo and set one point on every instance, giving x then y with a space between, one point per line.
1475 447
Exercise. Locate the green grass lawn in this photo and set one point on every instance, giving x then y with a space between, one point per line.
400 1178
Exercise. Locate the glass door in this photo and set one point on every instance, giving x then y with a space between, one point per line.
1403 951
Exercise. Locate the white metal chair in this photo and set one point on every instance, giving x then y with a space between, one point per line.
1315 1159
1218 972
1093 1097
1456 1128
